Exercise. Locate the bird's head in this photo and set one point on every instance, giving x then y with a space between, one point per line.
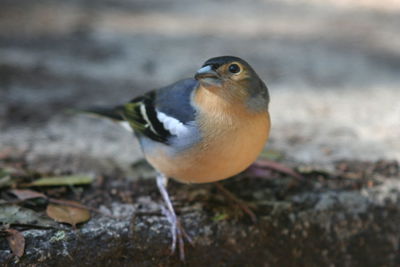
233 79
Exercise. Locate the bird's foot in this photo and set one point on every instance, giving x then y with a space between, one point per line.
177 231
178 234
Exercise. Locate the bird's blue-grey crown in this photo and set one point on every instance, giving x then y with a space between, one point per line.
216 62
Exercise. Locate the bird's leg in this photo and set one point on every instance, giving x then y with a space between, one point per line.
238 202
177 231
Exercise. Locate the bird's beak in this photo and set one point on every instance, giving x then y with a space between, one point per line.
206 72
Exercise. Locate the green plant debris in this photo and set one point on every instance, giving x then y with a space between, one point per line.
271 155
220 217
5 178
62 181
58 236
4 173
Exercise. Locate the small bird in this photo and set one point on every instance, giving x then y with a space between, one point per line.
199 130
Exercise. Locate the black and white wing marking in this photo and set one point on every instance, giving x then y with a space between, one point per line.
164 113
141 115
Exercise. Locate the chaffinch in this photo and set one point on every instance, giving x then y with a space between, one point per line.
199 130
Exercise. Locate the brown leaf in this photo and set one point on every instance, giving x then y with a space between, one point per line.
23 194
16 241
68 213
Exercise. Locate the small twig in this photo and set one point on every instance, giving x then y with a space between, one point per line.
239 202
272 165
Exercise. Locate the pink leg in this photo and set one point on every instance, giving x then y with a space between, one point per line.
177 231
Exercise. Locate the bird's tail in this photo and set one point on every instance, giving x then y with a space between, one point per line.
113 113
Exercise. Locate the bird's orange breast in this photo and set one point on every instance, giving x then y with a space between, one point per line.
231 141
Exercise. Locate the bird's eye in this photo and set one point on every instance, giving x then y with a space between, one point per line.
234 68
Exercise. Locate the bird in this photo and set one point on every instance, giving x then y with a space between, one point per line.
199 130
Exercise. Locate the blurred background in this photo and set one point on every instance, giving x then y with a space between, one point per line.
332 67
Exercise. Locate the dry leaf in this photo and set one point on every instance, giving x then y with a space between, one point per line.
16 241
23 194
68 213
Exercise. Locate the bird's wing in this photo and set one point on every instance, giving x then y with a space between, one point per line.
163 113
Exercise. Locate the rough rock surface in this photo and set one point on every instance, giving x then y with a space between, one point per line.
349 217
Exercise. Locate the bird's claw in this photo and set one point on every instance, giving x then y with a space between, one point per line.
178 234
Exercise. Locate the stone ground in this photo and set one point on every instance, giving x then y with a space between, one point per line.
333 72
